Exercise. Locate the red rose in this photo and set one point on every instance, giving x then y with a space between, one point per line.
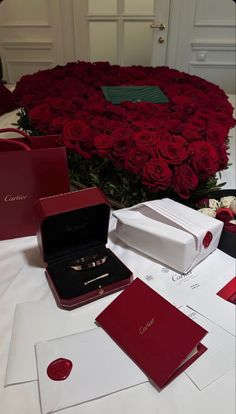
174 126
156 175
224 214
122 133
217 134
198 123
79 136
145 138
119 150
112 124
99 123
203 158
132 115
150 123
40 113
72 92
204 202
184 105
191 132
59 104
30 101
58 123
136 159
172 152
185 181
102 145
222 157
116 110
226 118
96 107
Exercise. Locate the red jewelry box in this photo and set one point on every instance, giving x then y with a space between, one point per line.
71 227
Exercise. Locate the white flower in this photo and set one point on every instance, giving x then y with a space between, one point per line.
215 204
226 201
208 211
233 206
232 221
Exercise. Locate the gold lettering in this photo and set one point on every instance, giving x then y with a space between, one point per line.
9 198
145 327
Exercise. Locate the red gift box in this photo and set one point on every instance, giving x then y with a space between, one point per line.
72 236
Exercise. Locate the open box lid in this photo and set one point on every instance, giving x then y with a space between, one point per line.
72 222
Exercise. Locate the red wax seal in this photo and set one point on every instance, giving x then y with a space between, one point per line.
59 369
207 239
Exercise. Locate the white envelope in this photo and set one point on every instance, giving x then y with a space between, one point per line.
169 232
216 309
29 327
219 357
39 321
100 368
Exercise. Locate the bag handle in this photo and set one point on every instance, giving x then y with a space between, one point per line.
18 131
15 141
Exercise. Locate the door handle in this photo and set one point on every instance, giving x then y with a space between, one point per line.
160 26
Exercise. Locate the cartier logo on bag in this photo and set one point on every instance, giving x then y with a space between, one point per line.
17 197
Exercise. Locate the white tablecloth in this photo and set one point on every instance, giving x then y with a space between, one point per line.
22 279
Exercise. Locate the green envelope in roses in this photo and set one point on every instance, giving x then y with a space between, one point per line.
118 94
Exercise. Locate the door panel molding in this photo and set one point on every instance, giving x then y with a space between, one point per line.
214 23
32 23
219 45
82 19
27 44
17 67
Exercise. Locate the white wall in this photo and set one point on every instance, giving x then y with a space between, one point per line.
40 34
30 36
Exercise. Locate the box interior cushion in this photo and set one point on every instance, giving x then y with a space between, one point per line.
71 232
70 283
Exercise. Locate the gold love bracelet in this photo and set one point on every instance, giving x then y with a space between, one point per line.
87 262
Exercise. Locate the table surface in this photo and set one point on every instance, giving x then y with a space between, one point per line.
23 279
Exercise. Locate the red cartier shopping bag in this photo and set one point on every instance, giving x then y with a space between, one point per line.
30 168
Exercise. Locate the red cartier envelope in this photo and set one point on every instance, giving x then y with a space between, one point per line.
154 333
71 226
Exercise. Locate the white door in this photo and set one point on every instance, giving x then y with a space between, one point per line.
202 40
124 32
